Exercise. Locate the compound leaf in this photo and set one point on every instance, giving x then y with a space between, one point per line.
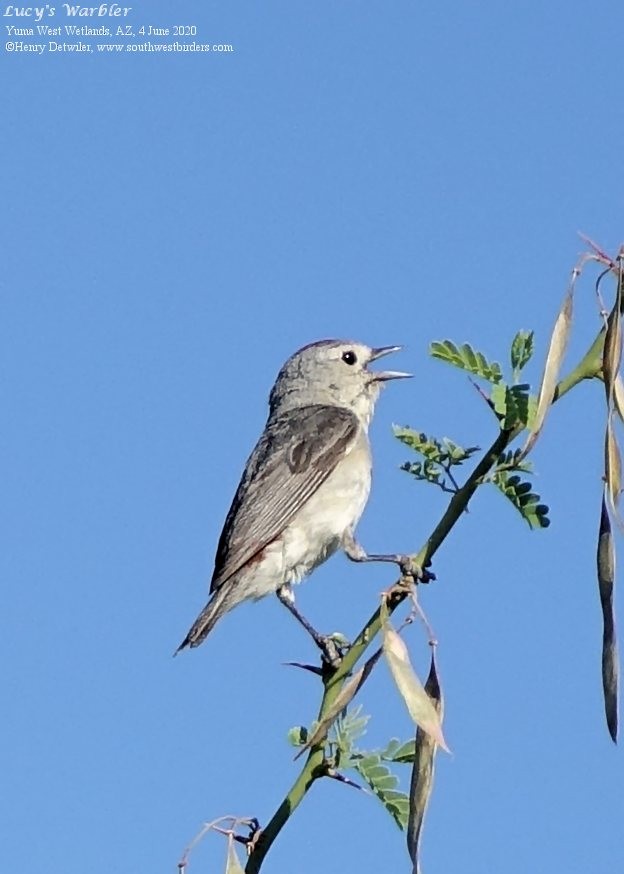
466 358
382 783
522 497
521 350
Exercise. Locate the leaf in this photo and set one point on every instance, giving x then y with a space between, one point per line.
233 865
606 585
346 694
423 770
348 728
398 752
512 460
429 447
521 350
532 412
454 453
444 451
498 398
438 457
382 783
511 404
466 358
388 753
522 497
554 358
518 406
416 699
423 470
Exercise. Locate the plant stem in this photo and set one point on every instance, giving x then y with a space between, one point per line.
310 773
589 368
460 499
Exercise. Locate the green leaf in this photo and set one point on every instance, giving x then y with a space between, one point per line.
398 752
386 783
428 447
444 451
532 412
511 404
521 350
523 498
455 453
466 358
392 746
424 470
378 771
518 405
498 397
382 783
438 457
348 728
513 460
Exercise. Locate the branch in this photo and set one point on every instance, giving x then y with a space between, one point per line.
314 767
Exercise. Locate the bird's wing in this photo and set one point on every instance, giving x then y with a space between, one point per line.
296 453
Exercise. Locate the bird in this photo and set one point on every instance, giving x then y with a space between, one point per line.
305 484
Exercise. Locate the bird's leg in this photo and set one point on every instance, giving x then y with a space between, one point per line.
356 552
328 647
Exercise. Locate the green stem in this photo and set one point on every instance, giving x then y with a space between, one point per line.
311 772
588 368
460 500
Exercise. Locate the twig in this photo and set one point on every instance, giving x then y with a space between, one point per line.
208 827
417 610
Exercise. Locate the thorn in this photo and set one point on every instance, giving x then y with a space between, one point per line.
312 668
335 775
480 391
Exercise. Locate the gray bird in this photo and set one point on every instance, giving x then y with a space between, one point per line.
306 483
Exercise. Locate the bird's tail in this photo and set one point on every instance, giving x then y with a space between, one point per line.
219 603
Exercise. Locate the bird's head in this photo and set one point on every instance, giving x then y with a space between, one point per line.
333 372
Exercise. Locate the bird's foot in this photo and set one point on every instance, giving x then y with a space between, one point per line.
411 571
332 647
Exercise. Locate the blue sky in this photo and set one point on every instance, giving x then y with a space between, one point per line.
174 228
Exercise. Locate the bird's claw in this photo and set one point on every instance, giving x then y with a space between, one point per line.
411 571
426 576
333 648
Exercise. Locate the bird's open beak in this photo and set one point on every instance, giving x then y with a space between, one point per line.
383 375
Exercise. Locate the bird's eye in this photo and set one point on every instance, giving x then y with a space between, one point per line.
349 357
